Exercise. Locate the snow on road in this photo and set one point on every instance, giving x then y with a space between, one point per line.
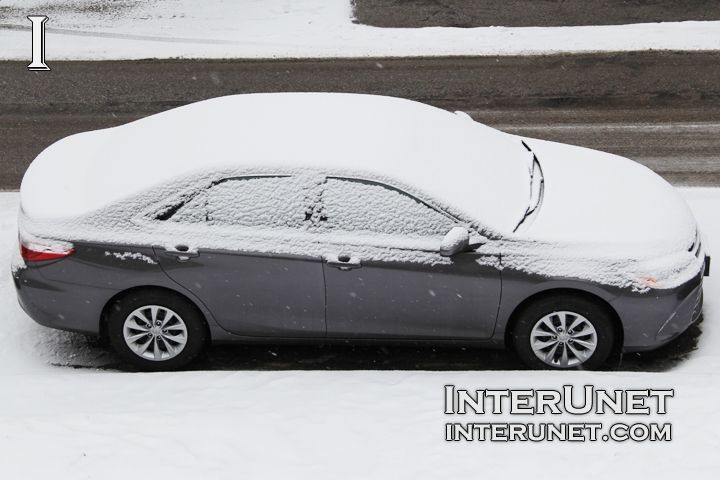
58 422
104 30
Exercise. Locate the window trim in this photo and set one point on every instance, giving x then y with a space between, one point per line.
399 190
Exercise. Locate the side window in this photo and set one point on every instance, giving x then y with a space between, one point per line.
244 201
361 206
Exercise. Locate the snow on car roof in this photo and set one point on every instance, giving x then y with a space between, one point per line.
456 162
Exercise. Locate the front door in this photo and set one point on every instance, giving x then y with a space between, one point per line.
384 276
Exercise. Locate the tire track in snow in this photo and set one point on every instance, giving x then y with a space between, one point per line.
127 36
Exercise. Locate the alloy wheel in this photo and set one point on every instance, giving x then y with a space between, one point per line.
155 333
563 339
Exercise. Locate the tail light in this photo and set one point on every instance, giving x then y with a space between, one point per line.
38 249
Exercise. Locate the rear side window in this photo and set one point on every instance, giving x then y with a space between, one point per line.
244 201
351 205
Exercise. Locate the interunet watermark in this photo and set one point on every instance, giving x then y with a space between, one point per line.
553 402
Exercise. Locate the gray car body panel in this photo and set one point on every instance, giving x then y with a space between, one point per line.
71 294
61 305
255 294
414 300
519 286
653 318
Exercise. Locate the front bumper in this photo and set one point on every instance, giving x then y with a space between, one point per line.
649 323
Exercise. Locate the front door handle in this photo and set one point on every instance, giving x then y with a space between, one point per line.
182 253
344 262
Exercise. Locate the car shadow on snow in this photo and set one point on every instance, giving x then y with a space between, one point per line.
80 351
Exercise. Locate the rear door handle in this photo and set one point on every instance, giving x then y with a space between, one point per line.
182 253
344 262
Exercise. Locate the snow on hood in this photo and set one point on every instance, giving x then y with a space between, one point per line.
606 219
592 196
463 165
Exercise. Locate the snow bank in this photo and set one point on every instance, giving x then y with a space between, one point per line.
67 423
104 30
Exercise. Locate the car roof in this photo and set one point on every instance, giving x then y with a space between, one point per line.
453 161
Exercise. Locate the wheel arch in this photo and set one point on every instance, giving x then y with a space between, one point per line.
618 328
145 288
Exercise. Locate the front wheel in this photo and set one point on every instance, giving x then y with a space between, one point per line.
156 330
563 332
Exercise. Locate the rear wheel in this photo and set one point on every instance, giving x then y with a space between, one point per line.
156 330
563 332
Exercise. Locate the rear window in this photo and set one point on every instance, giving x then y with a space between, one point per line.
266 201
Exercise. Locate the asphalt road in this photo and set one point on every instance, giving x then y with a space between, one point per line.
684 151
659 108
529 13
671 142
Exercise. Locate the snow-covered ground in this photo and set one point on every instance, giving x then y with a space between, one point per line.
132 29
58 422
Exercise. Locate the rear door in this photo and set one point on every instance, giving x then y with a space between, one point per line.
250 279
383 273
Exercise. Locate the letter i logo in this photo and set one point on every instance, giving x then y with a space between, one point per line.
38 42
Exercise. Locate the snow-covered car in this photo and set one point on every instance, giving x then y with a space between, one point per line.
336 217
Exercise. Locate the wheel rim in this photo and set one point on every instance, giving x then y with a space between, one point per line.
563 339
155 333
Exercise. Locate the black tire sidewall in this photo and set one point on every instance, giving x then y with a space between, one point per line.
598 316
123 307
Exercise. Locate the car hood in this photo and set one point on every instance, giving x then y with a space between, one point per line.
604 219
592 197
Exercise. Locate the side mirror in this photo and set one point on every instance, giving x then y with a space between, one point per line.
457 240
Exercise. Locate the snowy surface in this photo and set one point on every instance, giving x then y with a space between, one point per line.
429 148
61 422
127 29
600 194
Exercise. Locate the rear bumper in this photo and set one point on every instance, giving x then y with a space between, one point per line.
74 308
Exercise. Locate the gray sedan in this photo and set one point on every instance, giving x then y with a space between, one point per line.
351 218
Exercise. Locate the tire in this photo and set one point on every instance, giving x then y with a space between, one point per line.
543 340
173 340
